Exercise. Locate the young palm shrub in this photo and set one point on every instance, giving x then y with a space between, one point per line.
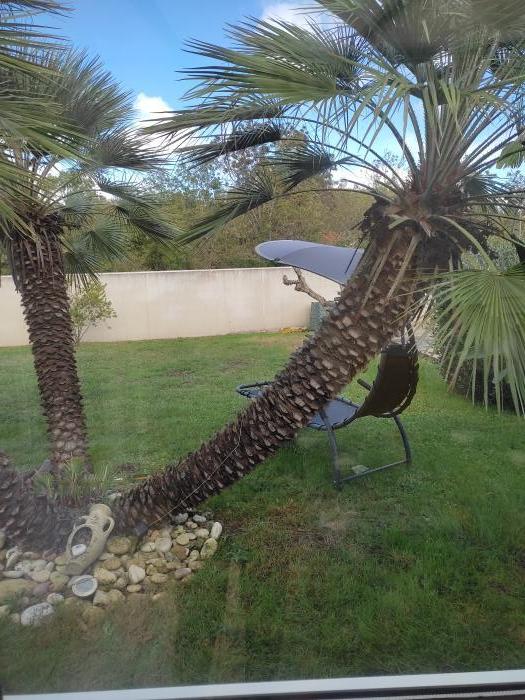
77 212
442 80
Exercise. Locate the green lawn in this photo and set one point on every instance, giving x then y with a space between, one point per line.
414 570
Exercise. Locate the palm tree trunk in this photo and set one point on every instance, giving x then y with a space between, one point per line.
28 518
364 319
39 273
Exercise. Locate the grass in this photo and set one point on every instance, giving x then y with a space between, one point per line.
419 569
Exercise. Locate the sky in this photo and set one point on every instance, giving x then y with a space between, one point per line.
142 41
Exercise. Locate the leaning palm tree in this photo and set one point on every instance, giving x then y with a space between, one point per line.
76 212
442 80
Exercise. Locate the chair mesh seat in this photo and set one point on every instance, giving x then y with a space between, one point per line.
338 413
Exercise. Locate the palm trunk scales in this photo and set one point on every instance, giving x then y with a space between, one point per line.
41 281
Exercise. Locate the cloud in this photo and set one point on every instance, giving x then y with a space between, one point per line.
150 107
357 174
292 12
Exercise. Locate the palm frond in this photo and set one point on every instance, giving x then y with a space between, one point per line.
407 32
258 189
142 216
249 108
77 209
482 320
286 61
92 100
106 240
24 116
106 235
80 263
301 162
125 190
257 135
122 147
512 155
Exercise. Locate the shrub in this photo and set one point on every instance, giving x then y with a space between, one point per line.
89 307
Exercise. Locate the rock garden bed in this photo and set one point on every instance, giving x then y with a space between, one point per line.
33 585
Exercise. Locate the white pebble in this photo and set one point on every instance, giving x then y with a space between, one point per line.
209 548
136 574
216 531
34 614
180 518
78 549
55 598
163 544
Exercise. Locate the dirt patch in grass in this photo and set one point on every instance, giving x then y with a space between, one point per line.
337 520
131 620
517 457
233 365
462 437
185 376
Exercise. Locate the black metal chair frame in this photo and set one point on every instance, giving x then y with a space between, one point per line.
391 392
252 390
338 479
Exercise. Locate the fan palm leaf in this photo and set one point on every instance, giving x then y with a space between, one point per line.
24 116
482 321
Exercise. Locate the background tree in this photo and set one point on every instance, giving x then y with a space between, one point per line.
189 193
72 220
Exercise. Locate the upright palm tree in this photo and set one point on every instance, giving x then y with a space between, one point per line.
442 80
74 210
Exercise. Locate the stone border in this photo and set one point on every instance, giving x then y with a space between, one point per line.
32 585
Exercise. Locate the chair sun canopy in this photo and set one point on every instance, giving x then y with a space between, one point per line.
336 263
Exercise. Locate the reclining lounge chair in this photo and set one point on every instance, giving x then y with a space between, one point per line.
388 396
397 376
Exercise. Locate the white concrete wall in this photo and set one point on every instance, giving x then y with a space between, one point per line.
185 303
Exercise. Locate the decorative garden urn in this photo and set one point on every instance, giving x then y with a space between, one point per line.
88 539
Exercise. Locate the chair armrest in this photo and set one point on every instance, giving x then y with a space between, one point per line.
366 385
251 390
254 385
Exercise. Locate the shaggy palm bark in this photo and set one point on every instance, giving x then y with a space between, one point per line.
28 518
364 319
41 280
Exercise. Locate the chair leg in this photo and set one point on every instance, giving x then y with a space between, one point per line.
404 437
407 460
336 470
